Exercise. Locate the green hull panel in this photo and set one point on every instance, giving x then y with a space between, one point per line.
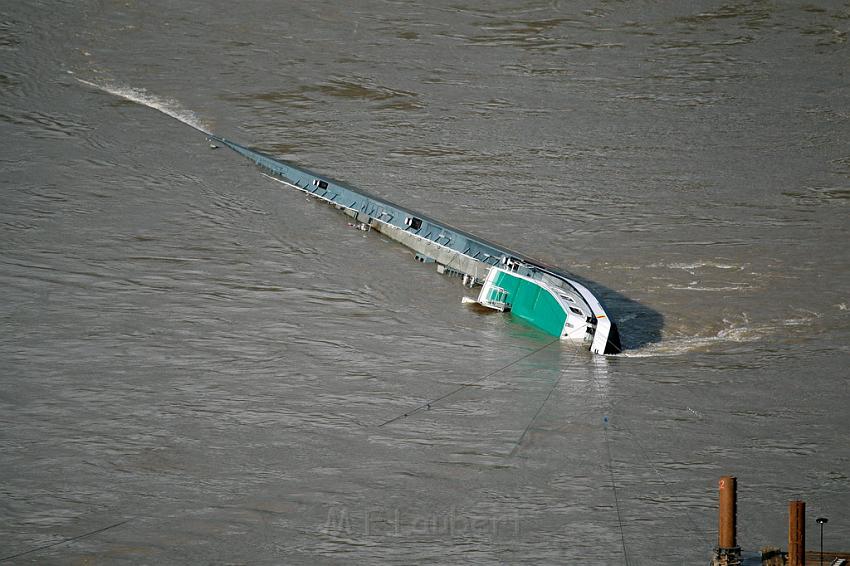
532 303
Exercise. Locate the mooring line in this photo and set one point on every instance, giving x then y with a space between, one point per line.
605 420
699 533
614 489
429 404
693 528
78 537
543 404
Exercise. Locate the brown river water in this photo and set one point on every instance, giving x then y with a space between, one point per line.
195 363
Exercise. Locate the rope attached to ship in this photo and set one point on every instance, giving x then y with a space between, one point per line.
540 408
63 541
428 404
605 419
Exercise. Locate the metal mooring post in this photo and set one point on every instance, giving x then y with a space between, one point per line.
797 533
727 553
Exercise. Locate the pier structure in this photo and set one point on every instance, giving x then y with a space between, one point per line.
728 552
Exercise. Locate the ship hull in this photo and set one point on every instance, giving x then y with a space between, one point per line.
545 297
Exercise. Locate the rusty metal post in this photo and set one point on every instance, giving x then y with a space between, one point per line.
728 512
727 553
797 533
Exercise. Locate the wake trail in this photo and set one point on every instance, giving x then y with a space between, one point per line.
169 107
735 332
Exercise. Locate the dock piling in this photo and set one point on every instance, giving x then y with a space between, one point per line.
797 533
727 553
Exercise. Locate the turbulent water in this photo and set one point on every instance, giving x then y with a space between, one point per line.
196 365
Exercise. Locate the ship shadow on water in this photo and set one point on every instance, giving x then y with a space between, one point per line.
638 325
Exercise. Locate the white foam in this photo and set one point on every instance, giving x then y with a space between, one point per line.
694 286
693 266
686 344
739 331
168 107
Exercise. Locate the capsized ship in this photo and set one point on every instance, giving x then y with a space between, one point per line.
544 297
